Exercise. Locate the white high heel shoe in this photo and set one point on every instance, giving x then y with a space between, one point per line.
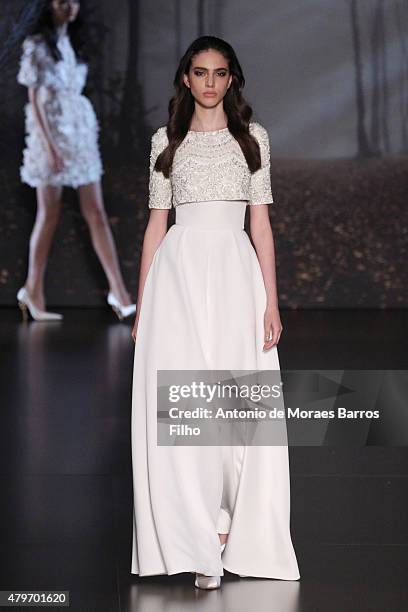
209 582
25 303
121 311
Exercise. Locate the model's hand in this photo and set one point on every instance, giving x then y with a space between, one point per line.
273 327
55 160
134 330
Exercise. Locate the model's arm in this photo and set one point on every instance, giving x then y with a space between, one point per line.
40 116
262 237
155 231
34 73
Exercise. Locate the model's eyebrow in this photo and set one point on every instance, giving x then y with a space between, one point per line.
201 68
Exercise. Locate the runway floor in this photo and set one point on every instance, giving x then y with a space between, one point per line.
66 498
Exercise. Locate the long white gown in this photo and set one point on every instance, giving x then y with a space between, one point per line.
202 308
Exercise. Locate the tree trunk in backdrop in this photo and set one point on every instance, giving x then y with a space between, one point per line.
133 132
362 140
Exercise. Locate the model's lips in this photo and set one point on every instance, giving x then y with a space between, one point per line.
210 94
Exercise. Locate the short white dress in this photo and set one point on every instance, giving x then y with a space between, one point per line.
71 117
202 309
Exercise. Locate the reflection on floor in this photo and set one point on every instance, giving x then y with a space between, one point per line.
65 513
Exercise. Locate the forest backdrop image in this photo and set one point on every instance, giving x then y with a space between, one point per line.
329 81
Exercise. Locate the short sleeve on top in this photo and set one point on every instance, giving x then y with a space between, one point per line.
260 187
32 62
160 189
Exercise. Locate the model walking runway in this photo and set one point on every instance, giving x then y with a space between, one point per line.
61 148
205 303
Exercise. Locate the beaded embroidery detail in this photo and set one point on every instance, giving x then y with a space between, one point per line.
210 166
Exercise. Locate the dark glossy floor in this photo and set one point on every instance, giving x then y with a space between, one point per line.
66 497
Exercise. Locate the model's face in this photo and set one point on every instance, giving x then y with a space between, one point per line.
208 78
64 11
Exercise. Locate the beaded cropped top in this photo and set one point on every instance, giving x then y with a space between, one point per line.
210 166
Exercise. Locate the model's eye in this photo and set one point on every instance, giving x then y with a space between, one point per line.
198 72
222 74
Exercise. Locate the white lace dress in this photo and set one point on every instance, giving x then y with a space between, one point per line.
70 116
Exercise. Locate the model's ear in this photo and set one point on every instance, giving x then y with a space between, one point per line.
229 82
186 81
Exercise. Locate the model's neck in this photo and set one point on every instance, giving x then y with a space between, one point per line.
61 29
208 119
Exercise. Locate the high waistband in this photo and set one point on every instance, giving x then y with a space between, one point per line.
214 214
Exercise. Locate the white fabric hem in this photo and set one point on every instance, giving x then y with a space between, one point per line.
31 182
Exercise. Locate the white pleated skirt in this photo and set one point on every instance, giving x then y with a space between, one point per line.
202 308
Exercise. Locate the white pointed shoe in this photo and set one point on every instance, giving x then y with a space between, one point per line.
121 311
25 303
209 582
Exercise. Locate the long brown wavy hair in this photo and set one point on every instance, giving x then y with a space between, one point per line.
181 106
